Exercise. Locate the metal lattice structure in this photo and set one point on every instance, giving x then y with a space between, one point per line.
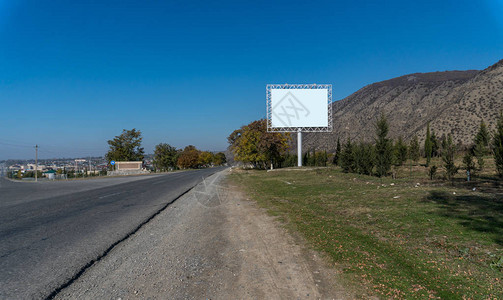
298 86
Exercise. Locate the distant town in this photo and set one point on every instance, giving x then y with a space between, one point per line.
61 168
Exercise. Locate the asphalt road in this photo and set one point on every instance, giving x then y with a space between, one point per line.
47 241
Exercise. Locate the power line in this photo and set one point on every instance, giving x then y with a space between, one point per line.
14 145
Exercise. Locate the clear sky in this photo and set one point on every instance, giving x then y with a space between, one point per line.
73 74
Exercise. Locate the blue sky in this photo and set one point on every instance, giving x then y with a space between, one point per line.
73 74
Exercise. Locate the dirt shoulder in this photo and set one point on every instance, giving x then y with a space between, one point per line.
274 264
212 243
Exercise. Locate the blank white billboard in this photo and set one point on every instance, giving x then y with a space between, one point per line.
291 107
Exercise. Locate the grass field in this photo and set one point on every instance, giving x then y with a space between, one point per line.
390 237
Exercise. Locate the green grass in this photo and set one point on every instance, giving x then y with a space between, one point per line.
391 238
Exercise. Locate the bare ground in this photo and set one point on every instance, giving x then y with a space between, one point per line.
212 243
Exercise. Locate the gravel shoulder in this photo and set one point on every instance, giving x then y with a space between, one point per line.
212 243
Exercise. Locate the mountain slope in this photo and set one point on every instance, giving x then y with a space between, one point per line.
453 102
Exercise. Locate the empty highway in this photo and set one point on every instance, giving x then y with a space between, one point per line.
50 231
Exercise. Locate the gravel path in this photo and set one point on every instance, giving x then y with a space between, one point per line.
212 243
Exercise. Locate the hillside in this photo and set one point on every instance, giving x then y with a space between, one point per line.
453 102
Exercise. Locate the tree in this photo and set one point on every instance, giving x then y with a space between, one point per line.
383 147
468 163
165 157
313 159
414 149
427 145
253 144
434 144
188 158
481 144
432 171
289 160
219 159
337 155
444 142
324 158
347 160
306 159
206 158
482 136
400 152
364 157
126 147
498 146
448 157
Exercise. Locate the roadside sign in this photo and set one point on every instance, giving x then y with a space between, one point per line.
112 162
299 108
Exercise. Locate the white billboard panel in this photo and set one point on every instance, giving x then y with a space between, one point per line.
294 107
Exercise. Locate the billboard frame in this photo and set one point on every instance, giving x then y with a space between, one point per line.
269 87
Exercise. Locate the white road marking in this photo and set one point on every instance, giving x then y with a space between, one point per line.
109 195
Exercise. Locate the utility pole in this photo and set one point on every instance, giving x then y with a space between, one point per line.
36 163
90 165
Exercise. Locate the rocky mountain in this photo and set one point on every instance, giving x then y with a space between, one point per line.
453 102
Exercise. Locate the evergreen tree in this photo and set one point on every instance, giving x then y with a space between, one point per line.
448 157
364 156
468 163
337 155
432 171
498 146
434 144
383 147
478 150
358 157
347 161
400 152
427 145
482 136
306 159
481 144
414 149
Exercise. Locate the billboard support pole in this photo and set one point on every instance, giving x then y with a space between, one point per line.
299 148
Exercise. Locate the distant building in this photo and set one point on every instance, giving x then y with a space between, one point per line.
31 167
128 168
50 174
